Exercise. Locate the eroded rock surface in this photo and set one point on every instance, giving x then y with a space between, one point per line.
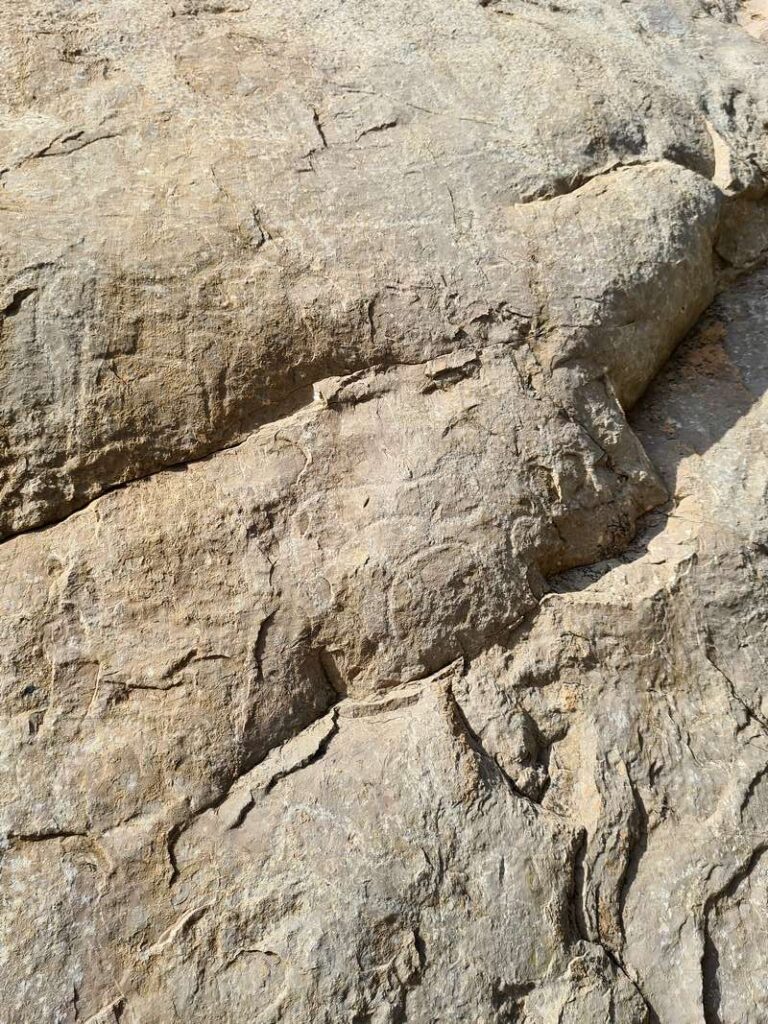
208 207
399 677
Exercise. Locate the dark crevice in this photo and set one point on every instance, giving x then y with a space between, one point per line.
247 764
319 128
170 845
384 126
637 851
370 306
749 792
579 926
483 754
61 146
562 187
261 643
242 814
44 837
710 958
421 948
17 301
292 402
710 982
578 923
331 675
312 758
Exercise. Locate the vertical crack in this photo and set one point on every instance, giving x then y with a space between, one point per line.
711 994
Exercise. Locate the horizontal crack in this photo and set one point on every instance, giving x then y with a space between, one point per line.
44 836
238 442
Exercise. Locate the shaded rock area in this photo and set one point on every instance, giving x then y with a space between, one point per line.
383 510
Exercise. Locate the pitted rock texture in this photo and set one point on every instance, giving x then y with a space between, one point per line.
383 512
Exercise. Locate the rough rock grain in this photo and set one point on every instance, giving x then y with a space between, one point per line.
209 207
383 608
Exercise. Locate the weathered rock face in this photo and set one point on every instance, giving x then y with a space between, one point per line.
399 678
208 207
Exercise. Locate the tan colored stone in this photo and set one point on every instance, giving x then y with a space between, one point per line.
373 668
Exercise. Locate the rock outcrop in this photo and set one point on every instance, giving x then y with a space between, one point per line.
383 512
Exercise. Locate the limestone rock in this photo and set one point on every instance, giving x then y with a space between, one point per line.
383 609
208 207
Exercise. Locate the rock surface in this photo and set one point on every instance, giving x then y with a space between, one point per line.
414 668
